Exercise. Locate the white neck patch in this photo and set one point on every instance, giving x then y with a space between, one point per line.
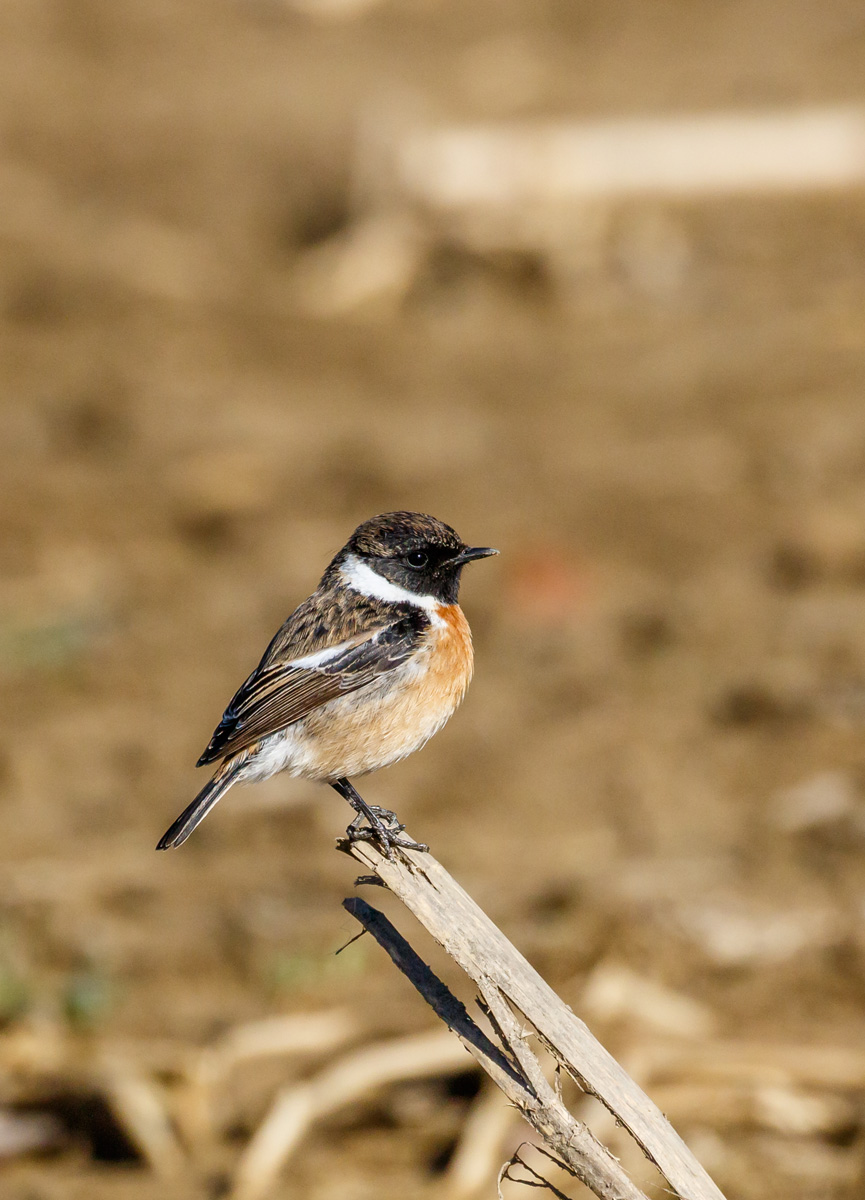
359 576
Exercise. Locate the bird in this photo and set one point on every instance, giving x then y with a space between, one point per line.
359 676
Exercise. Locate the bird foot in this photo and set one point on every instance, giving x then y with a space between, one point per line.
385 815
385 829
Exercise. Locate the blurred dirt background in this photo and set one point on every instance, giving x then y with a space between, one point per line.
659 769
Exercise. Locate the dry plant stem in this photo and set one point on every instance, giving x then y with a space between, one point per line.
347 1081
535 1180
500 971
479 1151
517 1073
208 1070
140 1108
754 1064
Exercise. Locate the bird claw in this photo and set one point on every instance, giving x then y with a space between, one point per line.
387 835
386 817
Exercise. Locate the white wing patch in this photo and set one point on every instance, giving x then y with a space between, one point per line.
320 657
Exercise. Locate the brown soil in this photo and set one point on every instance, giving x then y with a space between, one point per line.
673 638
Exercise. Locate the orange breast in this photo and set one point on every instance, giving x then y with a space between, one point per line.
452 655
379 725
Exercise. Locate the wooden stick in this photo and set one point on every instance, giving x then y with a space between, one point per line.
509 985
517 1072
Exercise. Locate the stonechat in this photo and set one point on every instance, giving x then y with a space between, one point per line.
361 675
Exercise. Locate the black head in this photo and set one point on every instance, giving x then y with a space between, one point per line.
413 551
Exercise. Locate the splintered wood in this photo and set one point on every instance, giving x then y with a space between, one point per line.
518 1002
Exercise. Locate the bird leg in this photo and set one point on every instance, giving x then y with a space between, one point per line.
382 825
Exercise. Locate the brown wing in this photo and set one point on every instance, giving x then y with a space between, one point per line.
277 695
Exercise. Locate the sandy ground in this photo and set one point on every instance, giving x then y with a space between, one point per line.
660 763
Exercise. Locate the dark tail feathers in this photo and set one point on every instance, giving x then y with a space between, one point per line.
199 808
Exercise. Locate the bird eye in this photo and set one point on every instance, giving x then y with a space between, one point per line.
417 559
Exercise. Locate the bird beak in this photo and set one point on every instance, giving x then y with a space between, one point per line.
470 553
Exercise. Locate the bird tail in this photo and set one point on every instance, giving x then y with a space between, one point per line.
195 813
